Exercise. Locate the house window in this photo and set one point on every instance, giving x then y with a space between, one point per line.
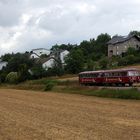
110 53
137 46
117 53
117 47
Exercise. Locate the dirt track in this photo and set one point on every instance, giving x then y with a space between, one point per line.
27 115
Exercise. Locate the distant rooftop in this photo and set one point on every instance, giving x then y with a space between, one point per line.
121 39
40 49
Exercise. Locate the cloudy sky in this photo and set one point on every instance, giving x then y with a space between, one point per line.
29 24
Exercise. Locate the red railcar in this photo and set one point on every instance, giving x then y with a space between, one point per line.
110 77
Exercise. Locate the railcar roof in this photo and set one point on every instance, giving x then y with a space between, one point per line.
116 70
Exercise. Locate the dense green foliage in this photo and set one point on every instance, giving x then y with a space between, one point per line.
75 61
21 63
12 78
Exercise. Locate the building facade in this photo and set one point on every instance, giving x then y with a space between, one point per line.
48 63
36 53
118 45
3 64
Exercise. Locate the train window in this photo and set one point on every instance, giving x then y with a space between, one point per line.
93 75
135 73
116 74
109 74
123 73
96 74
138 73
99 75
102 75
89 75
113 74
131 73
106 74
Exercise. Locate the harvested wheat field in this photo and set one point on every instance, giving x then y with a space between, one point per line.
29 115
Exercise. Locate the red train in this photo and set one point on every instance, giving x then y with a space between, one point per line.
110 77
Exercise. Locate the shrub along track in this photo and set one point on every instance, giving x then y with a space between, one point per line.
27 115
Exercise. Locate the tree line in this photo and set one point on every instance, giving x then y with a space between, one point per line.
88 55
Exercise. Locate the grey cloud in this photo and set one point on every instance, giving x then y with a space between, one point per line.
30 24
10 12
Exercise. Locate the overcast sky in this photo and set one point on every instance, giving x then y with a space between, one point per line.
29 24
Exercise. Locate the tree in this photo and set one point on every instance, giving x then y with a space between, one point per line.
101 43
19 63
18 59
38 71
23 73
104 63
87 47
74 61
7 57
62 47
135 33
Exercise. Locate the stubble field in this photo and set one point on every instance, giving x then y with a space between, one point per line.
30 115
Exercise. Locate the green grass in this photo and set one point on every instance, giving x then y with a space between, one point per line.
132 93
117 93
72 86
40 84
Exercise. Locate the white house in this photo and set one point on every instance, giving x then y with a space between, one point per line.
54 59
49 63
63 54
3 64
36 53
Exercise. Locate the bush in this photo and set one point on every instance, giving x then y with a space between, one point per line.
49 85
3 77
12 78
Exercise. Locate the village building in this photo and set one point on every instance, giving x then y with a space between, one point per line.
118 45
57 57
36 53
63 55
48 63
3 64
51 59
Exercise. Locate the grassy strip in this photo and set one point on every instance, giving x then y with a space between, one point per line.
116 93
71 86
132 93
